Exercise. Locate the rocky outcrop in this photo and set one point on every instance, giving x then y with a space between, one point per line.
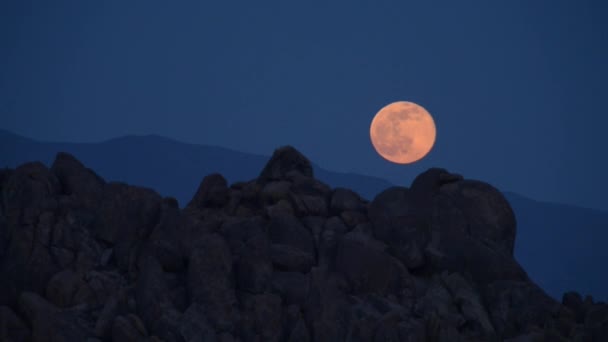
279 258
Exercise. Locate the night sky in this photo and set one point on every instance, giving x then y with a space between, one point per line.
517 89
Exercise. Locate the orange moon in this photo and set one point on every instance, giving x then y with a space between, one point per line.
403 132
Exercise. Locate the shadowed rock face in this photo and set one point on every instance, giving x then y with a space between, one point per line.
280 258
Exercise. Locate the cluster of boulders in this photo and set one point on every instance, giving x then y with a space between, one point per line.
280 258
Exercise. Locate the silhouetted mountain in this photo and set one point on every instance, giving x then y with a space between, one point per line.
282 257
558 245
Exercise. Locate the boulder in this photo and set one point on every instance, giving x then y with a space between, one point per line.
478 210
396 210
62 288
290 258
429 182
30 190
287 230
154 303
125 214
77 180
367 267
399 220
263 314
48 323
454 251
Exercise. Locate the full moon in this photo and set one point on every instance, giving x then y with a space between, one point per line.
403 132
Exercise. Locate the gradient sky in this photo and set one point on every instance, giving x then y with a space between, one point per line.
517 89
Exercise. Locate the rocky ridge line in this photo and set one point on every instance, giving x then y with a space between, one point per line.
279 258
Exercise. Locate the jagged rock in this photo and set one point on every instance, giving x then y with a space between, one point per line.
279 258
284 160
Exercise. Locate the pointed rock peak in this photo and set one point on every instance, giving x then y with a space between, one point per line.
75 178
433 178
63 159
213 192
284 161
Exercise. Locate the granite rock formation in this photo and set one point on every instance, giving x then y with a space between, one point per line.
282 257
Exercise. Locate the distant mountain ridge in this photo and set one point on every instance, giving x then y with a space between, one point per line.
166 165
558 245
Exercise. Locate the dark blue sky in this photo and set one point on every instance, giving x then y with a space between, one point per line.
518 89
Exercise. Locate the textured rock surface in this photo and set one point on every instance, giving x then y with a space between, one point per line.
280 258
